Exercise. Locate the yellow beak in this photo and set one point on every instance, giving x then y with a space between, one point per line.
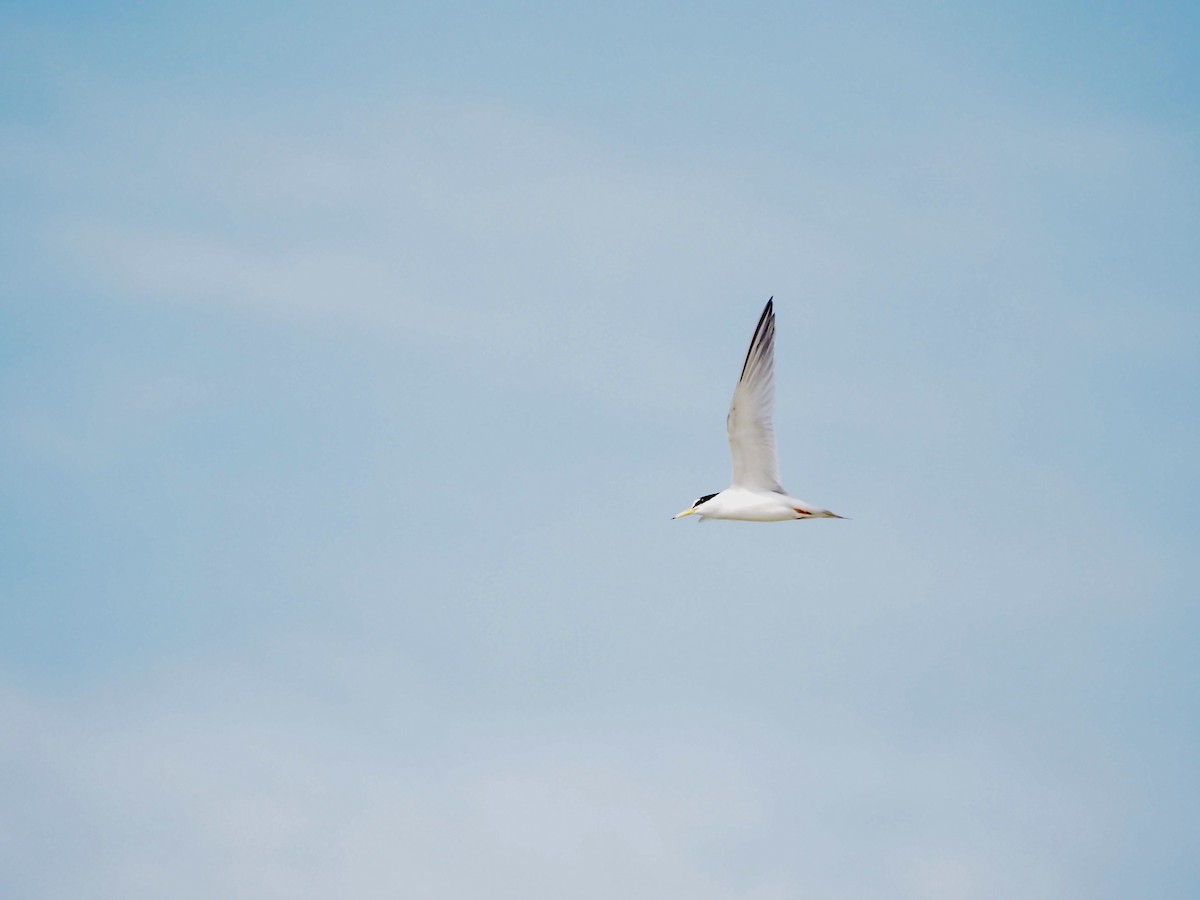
686 512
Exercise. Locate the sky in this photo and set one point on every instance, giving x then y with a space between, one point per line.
356 357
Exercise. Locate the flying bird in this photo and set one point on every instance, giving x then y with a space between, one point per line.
755 495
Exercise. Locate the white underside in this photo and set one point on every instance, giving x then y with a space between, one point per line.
758 506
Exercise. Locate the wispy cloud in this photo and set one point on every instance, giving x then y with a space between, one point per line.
217 793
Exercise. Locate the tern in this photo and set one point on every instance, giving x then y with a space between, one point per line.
754 494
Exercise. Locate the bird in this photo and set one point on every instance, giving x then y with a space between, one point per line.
754 493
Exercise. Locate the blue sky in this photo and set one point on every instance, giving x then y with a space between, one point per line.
356 359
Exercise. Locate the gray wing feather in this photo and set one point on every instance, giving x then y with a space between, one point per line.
751 434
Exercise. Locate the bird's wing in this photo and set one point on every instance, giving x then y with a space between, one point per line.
751 435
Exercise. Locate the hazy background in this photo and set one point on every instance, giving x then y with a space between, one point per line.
356 357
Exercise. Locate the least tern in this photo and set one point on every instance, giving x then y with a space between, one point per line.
755 494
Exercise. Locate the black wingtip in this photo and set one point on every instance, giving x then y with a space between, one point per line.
768 315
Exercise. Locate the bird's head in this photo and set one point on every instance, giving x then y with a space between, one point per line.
695 507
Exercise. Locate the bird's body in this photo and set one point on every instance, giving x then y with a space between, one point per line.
755 494
757 506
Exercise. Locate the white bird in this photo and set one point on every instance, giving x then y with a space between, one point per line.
755 495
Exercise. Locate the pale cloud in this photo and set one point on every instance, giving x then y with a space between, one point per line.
491 231
190 792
